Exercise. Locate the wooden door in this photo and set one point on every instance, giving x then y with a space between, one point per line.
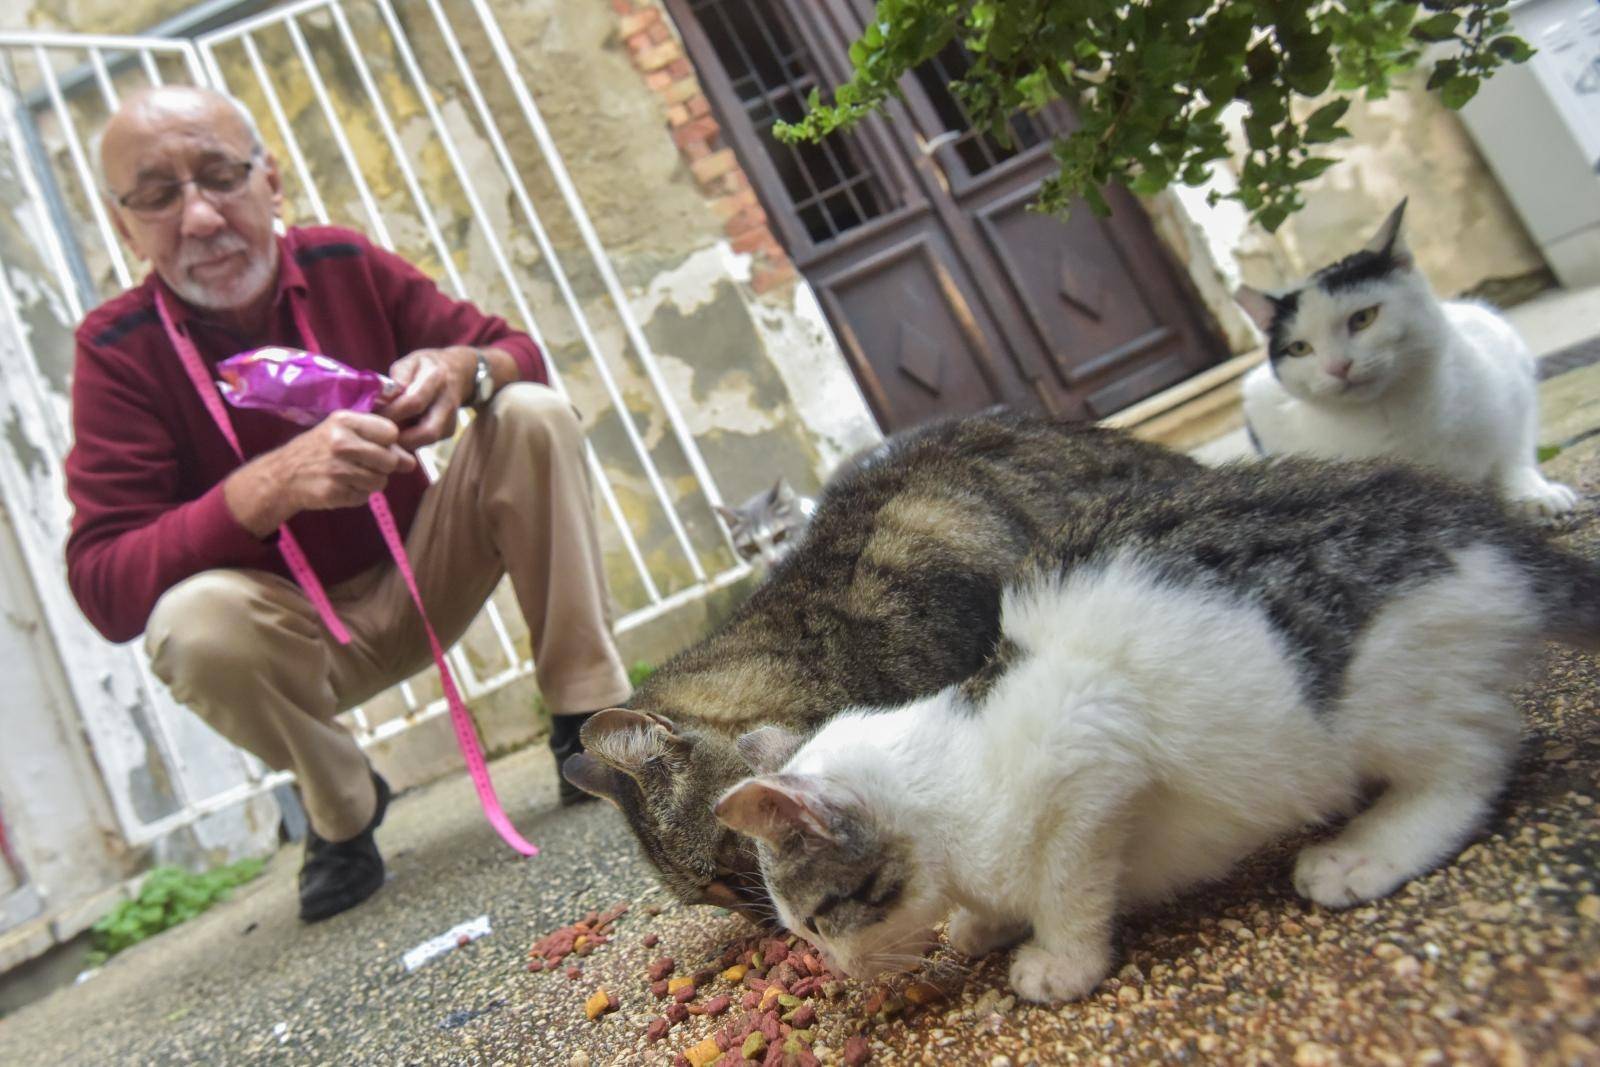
947 294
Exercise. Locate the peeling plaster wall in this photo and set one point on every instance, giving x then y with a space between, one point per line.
750 363
1460 224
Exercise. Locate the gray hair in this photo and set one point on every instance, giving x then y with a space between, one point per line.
251 126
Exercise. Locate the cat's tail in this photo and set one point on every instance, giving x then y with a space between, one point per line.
1570 592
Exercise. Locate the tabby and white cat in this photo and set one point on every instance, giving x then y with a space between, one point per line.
893 593
766 526
1365 362
1181 680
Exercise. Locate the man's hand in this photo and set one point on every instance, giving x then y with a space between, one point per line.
435 383
336 464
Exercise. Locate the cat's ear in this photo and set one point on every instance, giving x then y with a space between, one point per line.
631 740
779 489
729 516
594 777
774 809
1390 241
766 750
1258 305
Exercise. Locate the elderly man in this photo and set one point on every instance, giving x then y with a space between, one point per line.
175 537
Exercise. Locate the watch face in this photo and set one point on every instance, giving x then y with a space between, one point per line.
483 384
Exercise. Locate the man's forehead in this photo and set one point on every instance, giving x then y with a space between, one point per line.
153 132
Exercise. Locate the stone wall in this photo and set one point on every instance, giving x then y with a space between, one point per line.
1460 224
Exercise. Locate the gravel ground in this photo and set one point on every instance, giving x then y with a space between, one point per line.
1494 959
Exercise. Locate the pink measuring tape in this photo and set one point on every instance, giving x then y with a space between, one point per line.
300 567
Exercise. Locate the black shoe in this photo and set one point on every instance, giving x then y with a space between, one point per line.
338 875
564 744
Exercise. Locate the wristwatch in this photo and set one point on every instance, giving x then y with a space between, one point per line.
482 384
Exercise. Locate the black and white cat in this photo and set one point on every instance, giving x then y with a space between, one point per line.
1182 679
1365 362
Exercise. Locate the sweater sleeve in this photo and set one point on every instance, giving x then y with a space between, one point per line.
424 317
132 536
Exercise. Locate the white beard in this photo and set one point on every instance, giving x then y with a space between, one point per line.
239 291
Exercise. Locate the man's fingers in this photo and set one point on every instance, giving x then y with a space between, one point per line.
418 395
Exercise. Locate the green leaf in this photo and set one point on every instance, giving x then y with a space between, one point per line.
1440 27
1458 90
1511 49
1272 217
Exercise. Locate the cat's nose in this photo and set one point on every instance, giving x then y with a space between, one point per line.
1340 370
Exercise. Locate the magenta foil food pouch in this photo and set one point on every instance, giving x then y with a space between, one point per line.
303 387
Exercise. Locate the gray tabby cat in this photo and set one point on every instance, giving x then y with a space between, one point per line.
893 593
766 526
1183 678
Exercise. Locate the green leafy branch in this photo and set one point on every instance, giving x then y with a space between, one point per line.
1150 80
168 896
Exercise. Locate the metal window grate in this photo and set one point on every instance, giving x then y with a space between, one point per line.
772 74
977 149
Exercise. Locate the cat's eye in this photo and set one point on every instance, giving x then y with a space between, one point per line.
1297 348
810 923
1363 318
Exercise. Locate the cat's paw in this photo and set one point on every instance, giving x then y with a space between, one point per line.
1047 977
1337 876
1537 498
975 935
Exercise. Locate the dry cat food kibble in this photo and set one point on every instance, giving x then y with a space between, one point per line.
771 1001
599 1003
580 938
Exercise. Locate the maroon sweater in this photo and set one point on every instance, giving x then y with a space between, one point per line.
147 462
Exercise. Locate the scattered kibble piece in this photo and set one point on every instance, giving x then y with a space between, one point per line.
574 973
704 1053
920 993
677 1012
659 989
684 993
754 1045
803 1017
660 968
594 930
657 1029
736 973
599 1003
675 984
856 1051
718 1004
651 940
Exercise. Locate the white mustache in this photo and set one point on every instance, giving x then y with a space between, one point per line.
194 254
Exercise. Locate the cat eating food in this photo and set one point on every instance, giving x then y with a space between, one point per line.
892 592
1179 680
1365 362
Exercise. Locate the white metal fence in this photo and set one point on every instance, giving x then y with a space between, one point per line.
470 221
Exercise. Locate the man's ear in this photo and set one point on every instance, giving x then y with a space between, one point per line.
269 167
631 740
766 750
594 777
774 808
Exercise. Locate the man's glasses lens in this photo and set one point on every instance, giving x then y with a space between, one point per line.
217 179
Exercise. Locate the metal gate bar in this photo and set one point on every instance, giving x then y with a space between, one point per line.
106 55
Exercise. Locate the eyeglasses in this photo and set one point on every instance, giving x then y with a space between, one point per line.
217 181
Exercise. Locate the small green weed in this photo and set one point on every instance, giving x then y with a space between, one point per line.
169 896
1548 452
639 672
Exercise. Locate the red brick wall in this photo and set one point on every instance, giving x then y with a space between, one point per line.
657 54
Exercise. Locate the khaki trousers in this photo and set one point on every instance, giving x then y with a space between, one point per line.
246 650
